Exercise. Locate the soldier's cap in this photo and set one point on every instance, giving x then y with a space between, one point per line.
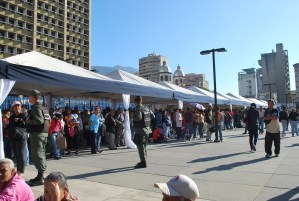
253 105
180 185
35 93
138 98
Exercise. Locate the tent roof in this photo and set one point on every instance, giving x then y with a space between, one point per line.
246 101
258 102
34 70
233 100
186 95
220 99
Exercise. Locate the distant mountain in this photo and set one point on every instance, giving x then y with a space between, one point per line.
105 70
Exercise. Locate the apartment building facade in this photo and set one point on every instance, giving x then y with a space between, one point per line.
58 28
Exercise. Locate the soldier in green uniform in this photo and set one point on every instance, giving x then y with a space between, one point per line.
38 138
142 123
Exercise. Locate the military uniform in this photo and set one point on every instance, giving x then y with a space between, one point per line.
38 141
141 133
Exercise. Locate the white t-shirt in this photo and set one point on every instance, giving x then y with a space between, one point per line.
178 119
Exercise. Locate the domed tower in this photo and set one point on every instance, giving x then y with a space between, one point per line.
178 76
164 73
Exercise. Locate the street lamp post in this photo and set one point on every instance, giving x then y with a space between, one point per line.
215 87
270 84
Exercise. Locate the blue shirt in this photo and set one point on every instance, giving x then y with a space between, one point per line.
96 122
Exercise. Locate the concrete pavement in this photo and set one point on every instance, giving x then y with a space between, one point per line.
225 171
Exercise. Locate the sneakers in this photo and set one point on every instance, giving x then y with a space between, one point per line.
268 156
253 148
276 155
142 164
216 140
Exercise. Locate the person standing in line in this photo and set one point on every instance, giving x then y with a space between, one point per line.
272 130
294 122
261 120
283 118
96 120
208 120
142 121
253 119
119 135
179 123
110 130
6 141
18 136
219 126
38 138
188 116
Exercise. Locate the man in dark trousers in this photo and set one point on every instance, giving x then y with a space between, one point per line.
142 123
272 130
253 123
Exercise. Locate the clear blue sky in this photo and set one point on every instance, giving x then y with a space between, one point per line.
125 30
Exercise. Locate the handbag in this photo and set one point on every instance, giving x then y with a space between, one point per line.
212 129
19 134
61 142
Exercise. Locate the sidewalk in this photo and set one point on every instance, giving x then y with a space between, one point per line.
225 171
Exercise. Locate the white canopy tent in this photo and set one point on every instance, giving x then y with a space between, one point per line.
258 103
246 101
233 101
186 95
221 100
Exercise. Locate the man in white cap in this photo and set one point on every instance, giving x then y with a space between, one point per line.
179 188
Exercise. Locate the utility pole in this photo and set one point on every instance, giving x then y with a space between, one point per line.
269 84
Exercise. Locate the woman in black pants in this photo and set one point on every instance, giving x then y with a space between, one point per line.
18 136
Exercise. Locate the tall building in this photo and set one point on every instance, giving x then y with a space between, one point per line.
247 83
275 74
58 28
149 67
296 69
197 80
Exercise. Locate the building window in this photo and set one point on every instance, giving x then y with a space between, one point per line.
2 19
166 78
11 21
20 10
38 42
45 44
3 4
19 38
1 48
46 31
60 35
19 51
28 26
20 24
12 7
39 29
28 40
2 33
10 35
59 48
52 45
161 78
10 50
29 13
67 49
59 23
39 16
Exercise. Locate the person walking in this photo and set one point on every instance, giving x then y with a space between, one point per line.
142 122
219 124
283 118
253 119
179 123
294 122
261 120
38 137
272 130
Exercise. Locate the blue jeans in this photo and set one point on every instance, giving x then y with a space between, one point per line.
98 138
26 152
189 127
54 151
7 147
261 125
294 125
219 131
284 124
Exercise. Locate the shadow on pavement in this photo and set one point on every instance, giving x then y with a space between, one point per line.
206 159
287 196
294 145
103 172
230 166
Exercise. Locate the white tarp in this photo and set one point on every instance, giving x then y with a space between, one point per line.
127 129
221 100
5 87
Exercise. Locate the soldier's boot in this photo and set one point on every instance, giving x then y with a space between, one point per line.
142 164
38 180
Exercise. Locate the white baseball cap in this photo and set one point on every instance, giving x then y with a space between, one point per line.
58 107
16 103
180 185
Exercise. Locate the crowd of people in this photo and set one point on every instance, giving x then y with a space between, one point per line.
30 131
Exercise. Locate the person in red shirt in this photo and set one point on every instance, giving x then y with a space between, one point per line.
158 136
54 130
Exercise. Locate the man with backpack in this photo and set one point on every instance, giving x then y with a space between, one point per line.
142 122
37 123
